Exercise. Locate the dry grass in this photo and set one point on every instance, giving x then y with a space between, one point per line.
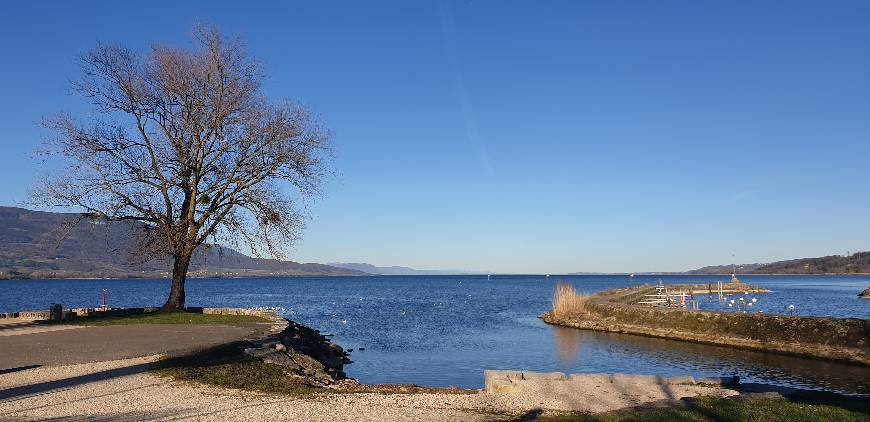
566 301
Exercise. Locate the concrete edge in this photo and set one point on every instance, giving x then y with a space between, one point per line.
505 381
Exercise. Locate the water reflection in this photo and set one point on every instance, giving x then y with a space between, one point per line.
580 350
567 344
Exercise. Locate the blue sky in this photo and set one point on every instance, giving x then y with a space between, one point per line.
529 136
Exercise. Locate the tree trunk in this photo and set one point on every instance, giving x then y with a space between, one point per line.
179 276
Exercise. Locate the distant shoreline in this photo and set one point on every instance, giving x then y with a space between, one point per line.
161 277
157 277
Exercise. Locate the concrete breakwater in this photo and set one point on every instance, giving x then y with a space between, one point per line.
839 339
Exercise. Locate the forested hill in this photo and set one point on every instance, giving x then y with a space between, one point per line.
31 246
857 263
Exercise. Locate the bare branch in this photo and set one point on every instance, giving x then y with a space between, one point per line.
185 142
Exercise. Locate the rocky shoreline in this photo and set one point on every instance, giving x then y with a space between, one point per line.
307 355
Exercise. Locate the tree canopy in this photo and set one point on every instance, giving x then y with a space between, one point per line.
185 142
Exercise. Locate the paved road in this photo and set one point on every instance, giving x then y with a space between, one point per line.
25 345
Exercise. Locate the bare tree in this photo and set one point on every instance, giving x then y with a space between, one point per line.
185 143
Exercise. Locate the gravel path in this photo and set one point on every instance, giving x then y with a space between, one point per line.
122 390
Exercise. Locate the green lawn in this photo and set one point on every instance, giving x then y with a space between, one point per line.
166 318
740 409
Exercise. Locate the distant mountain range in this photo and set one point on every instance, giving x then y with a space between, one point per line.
31 246
395 270
727 269
856 263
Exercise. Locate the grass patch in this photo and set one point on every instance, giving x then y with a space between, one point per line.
166 318
733 409
227 366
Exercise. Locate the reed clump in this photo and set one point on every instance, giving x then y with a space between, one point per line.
566 301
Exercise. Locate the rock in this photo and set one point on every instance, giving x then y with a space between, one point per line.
257 351
496 381
270 355
308 363
307 354
347 383
500 385
865 294
321 375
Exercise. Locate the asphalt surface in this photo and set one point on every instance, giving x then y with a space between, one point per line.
32 346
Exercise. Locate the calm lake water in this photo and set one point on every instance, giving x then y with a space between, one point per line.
445 330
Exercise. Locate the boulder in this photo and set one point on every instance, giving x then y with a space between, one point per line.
496 381
865 294
500 385
308 363
270 355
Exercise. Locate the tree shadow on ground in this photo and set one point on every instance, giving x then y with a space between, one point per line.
24 391
118 416
90 397
17 369
20 325
216 355
203 357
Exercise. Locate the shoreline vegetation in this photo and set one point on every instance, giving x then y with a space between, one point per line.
617 310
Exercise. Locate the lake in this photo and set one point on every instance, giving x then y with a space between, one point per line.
445 330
